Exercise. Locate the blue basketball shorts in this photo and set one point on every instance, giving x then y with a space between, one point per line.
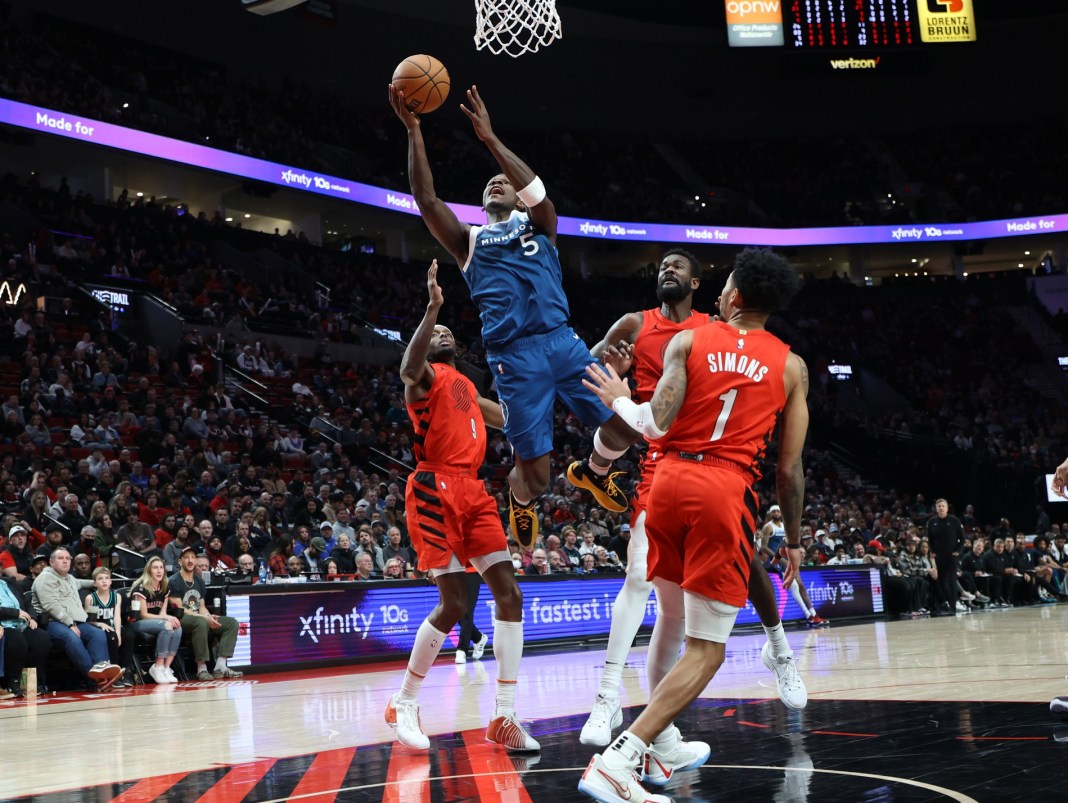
531 373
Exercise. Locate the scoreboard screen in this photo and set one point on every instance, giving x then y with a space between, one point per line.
848 24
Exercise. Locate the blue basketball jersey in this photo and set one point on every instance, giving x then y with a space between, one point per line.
514 274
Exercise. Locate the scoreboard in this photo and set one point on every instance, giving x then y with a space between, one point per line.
858 25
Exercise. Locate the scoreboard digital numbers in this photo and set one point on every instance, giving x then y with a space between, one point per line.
862 25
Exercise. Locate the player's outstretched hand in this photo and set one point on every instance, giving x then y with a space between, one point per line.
606 384
1060 480
478 114
793 566
620 357
396 100
432 286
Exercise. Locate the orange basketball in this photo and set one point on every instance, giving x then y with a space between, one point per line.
424 82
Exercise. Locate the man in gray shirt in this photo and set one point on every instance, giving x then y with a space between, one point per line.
58 594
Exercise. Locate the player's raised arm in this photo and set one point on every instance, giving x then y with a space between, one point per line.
789 473
415 371
527 185
442 221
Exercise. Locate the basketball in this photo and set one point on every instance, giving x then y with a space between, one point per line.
424 82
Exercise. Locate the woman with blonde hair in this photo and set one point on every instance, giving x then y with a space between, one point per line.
149 604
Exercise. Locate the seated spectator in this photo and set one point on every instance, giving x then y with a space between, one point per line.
217 558
840 557
366 543
314 557
294 570
245 571
558 565
332 573
173 550
15 558
292 443
344 555
136 535
607 561
105 609
539 563
149 597
589 564
58 594
394 569
105 540
24 644
54 537
365 568
278 559
996 563
187 598
394 549
82 567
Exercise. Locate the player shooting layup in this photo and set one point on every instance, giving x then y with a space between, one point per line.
513 269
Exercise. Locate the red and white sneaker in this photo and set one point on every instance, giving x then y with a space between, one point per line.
406 723
673 755
818 621
508 732
615 786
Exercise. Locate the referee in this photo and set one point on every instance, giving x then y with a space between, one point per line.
945 534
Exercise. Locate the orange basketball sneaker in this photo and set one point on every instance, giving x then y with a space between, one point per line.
508 732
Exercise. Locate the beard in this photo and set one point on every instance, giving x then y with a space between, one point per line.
672 293
442 354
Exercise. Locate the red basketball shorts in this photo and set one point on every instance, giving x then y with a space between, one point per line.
449 513
700 520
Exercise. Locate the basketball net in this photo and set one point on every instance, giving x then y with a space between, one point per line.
516 27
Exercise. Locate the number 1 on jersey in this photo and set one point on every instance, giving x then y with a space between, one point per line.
728 405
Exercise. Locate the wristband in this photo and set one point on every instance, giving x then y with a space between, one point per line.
532 194
638 417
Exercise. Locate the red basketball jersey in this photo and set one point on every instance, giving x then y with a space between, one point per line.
449 429
734 394
651 343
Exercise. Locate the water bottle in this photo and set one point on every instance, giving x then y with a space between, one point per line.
263 573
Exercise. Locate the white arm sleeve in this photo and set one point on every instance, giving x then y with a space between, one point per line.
638 416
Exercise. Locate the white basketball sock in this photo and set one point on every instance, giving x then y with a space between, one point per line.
428 643
627 615
508 650
625 752
795 592
777 638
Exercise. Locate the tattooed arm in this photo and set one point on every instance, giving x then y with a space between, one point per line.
789 473
653 417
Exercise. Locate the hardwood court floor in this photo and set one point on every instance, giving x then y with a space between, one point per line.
941 709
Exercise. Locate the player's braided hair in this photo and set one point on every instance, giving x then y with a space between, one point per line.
765 279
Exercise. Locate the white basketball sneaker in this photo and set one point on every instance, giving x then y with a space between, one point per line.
1059 705
792 690
406 723
605 716
672 755
615 786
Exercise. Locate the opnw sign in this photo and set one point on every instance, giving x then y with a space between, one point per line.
754 23
947 20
